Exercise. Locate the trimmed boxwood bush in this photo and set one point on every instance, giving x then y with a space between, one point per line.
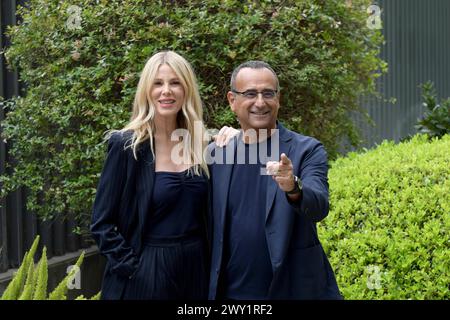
80 62
388 231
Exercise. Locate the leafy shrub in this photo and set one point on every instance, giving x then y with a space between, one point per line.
30 281
387 234
436 120
81 70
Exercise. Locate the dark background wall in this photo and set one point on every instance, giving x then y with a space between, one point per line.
417 35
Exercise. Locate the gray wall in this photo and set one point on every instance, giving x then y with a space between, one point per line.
417 49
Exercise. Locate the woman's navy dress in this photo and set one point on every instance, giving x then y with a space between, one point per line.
173 263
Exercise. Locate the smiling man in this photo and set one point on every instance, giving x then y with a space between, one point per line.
264 238
257 102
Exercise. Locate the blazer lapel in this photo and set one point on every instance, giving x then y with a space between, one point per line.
281 137
223 178
144 184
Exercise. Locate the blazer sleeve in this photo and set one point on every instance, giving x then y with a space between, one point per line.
104 229
314 176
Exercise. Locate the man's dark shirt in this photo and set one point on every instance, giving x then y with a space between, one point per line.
247 270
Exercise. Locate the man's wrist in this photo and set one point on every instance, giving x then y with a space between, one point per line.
297 187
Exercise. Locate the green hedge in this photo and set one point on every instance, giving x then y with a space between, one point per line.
390 219
81 69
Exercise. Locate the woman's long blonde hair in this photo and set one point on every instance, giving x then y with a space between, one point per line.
142 119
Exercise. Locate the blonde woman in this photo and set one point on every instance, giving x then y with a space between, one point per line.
149 216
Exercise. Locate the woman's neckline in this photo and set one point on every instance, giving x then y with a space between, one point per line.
176 172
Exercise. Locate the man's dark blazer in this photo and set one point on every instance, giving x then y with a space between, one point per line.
120 211
300 267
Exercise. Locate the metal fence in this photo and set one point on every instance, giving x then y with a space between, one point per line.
417 49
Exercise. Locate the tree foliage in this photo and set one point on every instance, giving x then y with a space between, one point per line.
80 61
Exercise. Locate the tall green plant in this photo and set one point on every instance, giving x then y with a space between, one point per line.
16 286
40 291
436 120
80 62
60 292
30 282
